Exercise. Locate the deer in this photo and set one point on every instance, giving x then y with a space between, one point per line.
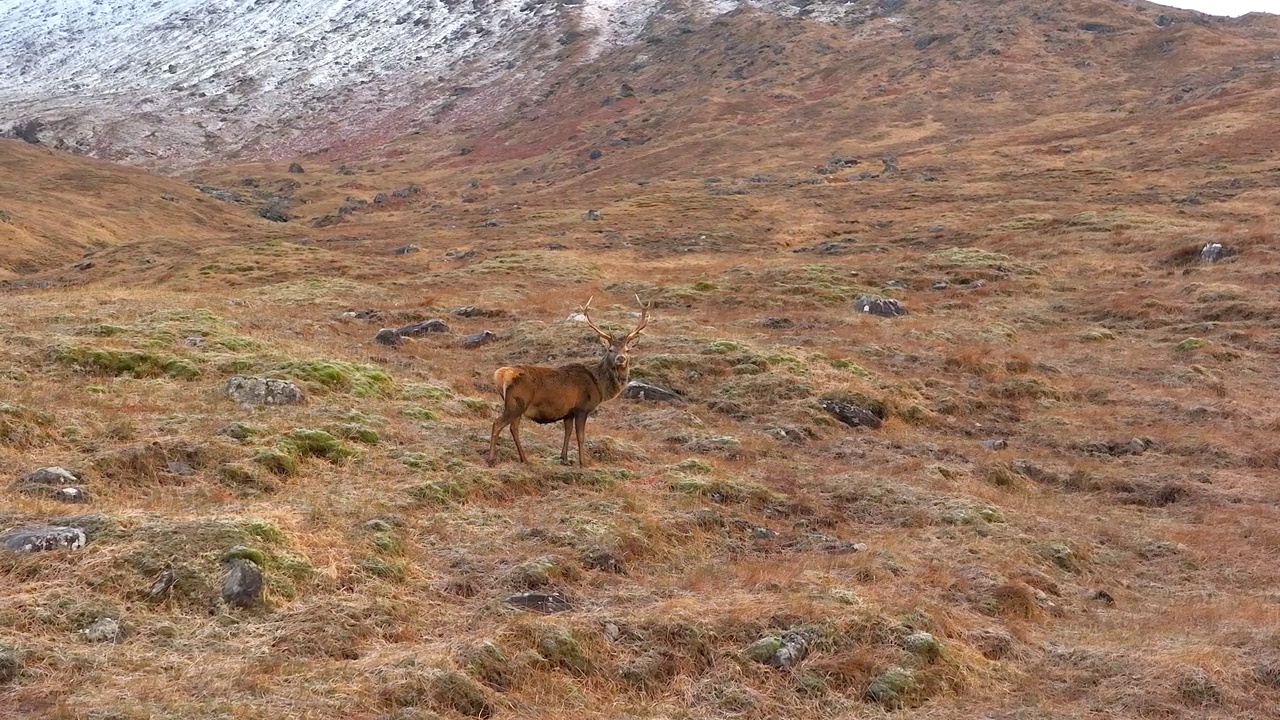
568 393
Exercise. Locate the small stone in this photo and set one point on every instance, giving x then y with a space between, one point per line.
613 632
851 415
995 444
637 390
296 168
406 249
763 533
595 154
1104 596
424 327
478 339
53 475
162 584
263 391
193 341
104 629
593 215
179 467
940 285
471 311
242 584
782 652
540 602
1213 252
388 336
40 538
881 306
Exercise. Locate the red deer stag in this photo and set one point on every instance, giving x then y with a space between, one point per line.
569 392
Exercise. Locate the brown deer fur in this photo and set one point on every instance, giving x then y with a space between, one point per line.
567 393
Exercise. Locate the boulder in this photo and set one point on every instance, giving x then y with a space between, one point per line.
478 339
39 538
637 390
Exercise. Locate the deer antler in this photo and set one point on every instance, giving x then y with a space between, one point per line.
585 308
644 320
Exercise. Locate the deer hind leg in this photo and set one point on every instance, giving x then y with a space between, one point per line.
515 435
580 426
564 449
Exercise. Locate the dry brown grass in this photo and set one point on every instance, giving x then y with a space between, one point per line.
744 513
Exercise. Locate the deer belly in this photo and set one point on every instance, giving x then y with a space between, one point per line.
546 419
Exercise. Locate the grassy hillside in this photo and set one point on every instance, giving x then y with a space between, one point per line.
1067 508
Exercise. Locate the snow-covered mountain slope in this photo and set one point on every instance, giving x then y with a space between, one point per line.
172 82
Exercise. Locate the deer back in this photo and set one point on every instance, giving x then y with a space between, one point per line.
548 394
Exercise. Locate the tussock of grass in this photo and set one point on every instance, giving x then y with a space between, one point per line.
336 375
971 258
129 363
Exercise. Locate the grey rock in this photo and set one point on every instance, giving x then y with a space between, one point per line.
104 629
1213 252
593 215
40 538
782 652
540 602
406 249
595 154
940 285
295 168
369 314
169 197
406 191
52 475
263 391
179 467
242 583
995 444
478 339
461 253
1164 20
881 306
471 311
274 213
850 414
162 584
778 323
637 390
763 533
388 336
424 327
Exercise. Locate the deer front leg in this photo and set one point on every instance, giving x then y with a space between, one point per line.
564 449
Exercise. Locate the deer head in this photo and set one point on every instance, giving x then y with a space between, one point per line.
616 348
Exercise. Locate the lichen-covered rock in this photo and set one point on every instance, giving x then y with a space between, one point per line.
39 538
892 687
923 645
540 602
876 305
263 391
104 629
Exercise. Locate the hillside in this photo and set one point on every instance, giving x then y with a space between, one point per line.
56 210
1056 498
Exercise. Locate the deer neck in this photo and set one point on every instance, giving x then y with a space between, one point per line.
610 379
